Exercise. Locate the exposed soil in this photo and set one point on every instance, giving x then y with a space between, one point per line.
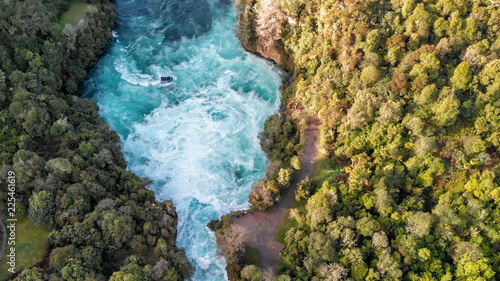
262 226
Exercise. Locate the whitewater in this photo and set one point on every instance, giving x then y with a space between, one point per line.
195 137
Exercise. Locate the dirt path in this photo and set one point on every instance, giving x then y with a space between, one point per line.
262 226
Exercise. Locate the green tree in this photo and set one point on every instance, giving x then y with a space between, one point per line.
363 110
370 75
251 273
372 40
41 207
118 228
419 224
59 257
34 274
59 166
284 176
133 270
379 240
296 162
446 111
74 270
367 226
462 76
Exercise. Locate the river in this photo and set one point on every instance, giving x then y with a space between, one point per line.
195 137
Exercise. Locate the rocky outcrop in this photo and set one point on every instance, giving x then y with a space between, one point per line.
268 29
260 29
270 52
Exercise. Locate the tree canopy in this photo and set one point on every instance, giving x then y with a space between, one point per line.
70 172
408 93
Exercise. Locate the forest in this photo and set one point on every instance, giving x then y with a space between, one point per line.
408 92
71 177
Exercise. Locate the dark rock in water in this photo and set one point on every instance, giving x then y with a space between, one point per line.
214 225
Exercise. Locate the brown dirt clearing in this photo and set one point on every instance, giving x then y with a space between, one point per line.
261 227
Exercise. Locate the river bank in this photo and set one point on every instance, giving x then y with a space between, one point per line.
195 137
260 226
72 179
408 96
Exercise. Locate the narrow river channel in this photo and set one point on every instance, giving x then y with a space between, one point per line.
195 137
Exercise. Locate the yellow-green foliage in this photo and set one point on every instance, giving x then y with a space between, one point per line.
409 95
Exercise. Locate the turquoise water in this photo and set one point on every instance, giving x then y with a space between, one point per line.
197 136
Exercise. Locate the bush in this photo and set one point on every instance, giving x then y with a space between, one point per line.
251 273
279 138
304 190
296 163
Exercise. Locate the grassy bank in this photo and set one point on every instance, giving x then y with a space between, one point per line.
323 171
30 246
77 10
251 257
287 222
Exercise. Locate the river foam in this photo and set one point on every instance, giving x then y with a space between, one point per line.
197 136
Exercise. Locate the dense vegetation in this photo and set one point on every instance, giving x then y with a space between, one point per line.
280 141
409 95
69 169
